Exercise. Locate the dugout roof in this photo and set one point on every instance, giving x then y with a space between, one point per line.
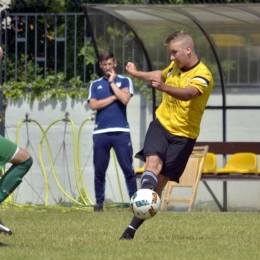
226 37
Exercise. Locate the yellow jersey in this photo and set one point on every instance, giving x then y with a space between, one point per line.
182 118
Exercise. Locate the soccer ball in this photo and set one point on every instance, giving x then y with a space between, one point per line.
145 203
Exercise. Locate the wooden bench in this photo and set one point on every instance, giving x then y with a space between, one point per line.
228 148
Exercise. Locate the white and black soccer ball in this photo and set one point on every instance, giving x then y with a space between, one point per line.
145 203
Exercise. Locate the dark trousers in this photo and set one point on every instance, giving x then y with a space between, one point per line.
121 142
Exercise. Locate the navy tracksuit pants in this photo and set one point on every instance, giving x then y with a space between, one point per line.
121 142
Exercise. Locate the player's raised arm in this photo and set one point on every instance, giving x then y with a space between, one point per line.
143 75
185 94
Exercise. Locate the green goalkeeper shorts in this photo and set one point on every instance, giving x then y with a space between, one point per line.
7 151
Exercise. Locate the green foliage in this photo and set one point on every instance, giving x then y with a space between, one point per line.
23 73
31 80
88 52
14 90
38 5
28 86
76 89
40 89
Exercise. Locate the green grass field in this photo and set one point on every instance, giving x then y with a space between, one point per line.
82 234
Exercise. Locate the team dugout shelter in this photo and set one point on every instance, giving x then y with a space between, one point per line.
226 38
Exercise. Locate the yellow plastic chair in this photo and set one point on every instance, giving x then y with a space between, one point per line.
243 163
210 164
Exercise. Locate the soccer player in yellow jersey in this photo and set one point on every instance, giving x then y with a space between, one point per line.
186 85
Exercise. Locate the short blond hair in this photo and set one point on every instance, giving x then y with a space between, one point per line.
180 36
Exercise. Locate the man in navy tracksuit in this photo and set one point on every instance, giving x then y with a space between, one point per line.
109 95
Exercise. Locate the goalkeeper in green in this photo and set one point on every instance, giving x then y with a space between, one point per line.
21 163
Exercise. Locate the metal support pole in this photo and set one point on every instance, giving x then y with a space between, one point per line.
2 114
213 196
224 196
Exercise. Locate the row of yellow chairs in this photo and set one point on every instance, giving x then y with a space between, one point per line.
243 163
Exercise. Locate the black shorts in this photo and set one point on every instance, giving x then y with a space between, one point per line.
174 151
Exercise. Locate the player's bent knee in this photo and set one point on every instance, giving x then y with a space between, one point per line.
29 162
25 165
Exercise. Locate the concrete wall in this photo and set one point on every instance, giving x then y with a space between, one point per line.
61 138
242 126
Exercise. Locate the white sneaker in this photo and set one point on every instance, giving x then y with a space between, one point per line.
4 230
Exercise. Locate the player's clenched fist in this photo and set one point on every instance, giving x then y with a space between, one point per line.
157 83
130 67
